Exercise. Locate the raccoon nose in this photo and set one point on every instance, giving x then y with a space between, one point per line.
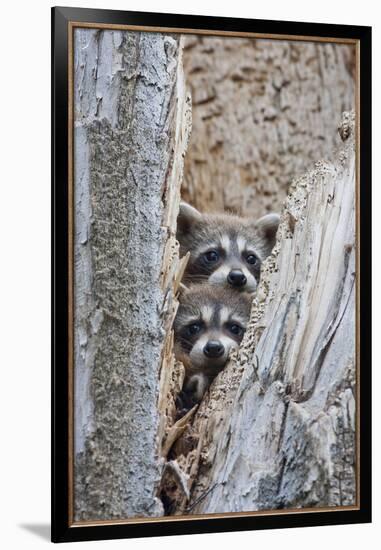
236 278
214 348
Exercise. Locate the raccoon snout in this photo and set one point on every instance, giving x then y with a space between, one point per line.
236 278
214 348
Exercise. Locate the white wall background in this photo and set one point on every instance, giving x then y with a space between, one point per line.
25 272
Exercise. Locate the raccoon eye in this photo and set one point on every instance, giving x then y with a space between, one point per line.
251 259
194 328
212 256
235 329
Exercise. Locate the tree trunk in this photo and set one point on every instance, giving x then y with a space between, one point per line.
277 429
131 130
263 112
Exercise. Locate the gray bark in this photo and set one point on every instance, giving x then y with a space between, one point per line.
277 426
131 128
277 429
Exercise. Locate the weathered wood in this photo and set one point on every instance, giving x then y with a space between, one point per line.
263 112
132 124
277 429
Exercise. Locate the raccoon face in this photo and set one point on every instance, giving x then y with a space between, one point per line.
210 322
224 249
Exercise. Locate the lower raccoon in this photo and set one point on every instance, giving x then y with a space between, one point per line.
224 249
210 322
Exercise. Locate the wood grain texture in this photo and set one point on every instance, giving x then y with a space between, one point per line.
277 429
263 112
131 119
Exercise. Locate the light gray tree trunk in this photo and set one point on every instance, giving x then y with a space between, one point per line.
263 112
277 429
131 130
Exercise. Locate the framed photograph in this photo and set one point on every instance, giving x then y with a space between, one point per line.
211 274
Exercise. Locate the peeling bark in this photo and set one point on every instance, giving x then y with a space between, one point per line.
277 428
263 112
132 124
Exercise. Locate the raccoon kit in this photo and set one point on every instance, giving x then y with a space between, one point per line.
224 249
210 322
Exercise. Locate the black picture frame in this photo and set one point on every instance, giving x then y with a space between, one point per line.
62 531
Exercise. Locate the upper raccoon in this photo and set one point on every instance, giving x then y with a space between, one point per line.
225 249
210 321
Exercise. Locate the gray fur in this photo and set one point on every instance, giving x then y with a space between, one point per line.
197 233
215 309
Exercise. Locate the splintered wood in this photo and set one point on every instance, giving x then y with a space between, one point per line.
132 123
172 371
277 428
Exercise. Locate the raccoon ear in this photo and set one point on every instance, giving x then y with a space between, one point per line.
187 217
267 227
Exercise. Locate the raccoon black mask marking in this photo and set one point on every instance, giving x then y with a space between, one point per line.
210 322
225 249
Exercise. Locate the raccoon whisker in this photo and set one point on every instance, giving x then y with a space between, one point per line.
201 273
240 244
198 277
226 252
185 340
211 307
185 343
